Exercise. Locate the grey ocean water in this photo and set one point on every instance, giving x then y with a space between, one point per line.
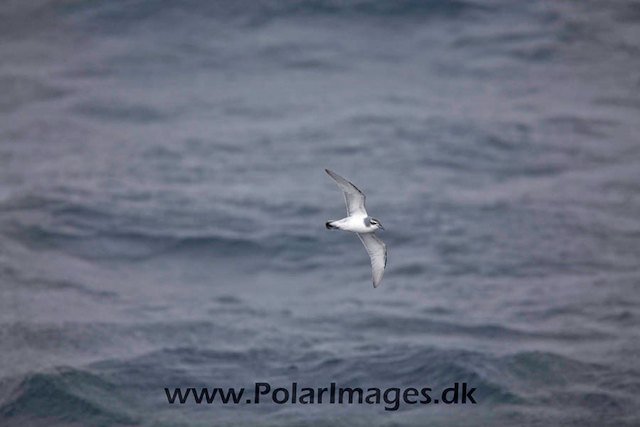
163 199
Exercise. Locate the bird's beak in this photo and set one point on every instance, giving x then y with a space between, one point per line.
381 227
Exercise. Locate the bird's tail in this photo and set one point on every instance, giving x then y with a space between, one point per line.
329 226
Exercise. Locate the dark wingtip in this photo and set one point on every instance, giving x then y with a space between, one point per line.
328 225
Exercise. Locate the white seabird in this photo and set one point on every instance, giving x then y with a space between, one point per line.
359 222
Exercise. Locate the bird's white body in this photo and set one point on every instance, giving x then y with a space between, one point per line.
356 224
358 221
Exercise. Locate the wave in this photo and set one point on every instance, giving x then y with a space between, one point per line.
139 245
123 391
121 15
57 222
65 396
19 90
85 230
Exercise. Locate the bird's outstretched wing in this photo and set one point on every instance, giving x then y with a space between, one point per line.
378 253
353 197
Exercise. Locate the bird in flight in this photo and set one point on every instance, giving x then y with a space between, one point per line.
359 222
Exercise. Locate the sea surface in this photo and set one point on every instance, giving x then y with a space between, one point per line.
163 200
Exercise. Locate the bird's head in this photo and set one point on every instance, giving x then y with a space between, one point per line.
376 224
